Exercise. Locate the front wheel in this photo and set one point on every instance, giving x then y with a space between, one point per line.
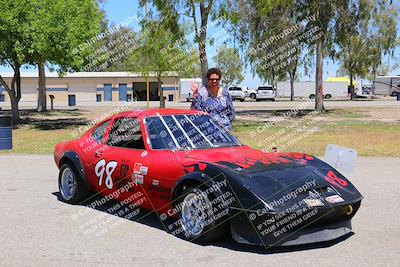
71 186
197 217
253 96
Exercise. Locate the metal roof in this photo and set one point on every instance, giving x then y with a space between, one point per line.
90 74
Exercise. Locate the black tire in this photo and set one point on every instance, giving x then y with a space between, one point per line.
253 96
213 231
312 96
328 96
80 191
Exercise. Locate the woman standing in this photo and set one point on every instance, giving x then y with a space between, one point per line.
214 100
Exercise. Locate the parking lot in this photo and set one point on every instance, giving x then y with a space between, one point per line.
38 229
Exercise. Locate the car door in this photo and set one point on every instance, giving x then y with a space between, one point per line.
91 146
166 140
121 163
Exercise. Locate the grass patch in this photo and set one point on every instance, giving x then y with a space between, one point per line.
51 113
30 140
369 138
344 113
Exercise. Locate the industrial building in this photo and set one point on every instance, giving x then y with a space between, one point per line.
85 88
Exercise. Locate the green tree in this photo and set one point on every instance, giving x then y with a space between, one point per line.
363 37
176 12
382 39
228 60
160 51
13 48
123 39
327 18
59 37
332 18
262 33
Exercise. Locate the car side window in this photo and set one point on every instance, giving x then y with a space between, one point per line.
126 133
98 133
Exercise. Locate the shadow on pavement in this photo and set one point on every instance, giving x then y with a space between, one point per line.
153 220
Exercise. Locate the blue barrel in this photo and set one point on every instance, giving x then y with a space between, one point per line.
5 133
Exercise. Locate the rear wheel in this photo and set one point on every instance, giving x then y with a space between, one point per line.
71 186
312 96
197 217
328 96
253 96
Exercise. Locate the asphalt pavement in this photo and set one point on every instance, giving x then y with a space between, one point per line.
37 229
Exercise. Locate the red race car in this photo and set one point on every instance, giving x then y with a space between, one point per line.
203 183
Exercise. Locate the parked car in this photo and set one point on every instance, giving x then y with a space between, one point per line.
237 92
188 169
265 93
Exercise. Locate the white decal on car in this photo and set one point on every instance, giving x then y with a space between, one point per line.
101 167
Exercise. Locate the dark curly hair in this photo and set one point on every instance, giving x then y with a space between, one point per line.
214 71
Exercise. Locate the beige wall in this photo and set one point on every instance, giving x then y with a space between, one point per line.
84 89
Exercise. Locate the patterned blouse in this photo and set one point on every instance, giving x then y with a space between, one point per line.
220 107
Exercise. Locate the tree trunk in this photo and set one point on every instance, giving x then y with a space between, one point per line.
291 77
203 61
14 94
373 81
159 83
352 95
14 110
42 105
203 39
291 90
319 94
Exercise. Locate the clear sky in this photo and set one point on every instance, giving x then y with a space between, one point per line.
119 10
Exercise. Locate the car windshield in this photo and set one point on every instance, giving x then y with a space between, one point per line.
187 132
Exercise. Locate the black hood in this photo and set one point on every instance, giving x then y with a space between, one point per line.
281 185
